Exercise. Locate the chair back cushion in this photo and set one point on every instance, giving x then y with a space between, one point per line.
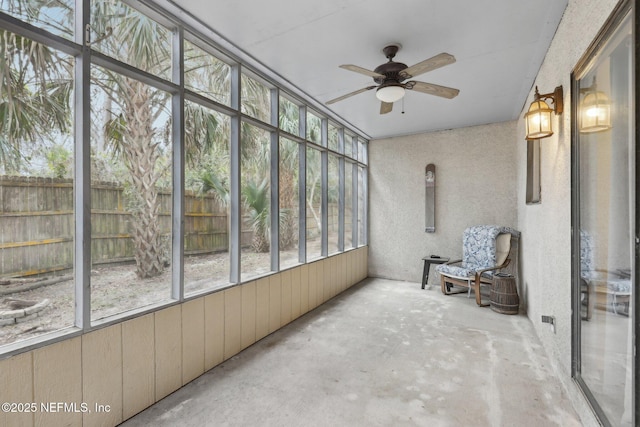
503 246
586 252
480 248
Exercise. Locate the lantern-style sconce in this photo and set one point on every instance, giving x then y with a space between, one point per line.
538 118
595 110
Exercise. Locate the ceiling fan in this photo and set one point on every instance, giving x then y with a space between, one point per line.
391 75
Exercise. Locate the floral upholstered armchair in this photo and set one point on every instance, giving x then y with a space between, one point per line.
486 251
601 287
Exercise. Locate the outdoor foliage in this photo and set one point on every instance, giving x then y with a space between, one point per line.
131 122
35 92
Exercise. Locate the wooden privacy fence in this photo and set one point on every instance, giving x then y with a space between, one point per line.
37 225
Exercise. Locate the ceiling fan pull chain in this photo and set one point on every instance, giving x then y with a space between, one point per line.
403 105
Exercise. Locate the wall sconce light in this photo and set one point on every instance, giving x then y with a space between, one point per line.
595 110
538 118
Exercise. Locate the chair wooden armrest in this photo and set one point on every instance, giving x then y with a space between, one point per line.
478 279
498 267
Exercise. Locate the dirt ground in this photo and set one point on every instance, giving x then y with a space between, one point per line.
116 289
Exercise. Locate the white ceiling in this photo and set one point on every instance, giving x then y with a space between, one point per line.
499 46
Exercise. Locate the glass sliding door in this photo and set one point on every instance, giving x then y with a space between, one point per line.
604 197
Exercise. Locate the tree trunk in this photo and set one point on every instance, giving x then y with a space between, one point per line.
260 241
140 154
288 196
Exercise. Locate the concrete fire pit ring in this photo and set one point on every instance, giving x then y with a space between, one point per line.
28 310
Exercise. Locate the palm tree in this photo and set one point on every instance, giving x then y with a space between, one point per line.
34 97
35 104
256 199
133 138
133 110
132 133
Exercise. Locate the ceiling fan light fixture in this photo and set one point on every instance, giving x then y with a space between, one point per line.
391 93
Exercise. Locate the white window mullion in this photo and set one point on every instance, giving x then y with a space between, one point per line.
82 180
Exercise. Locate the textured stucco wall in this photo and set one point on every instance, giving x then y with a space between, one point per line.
546 228
475 184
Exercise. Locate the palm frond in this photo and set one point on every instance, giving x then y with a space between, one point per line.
289 119
203 132
115 131
35 92
211 182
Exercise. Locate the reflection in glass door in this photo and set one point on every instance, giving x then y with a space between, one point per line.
604 220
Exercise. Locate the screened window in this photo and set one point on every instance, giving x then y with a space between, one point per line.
206 199
131 186
53 16
348 205
333 203
314 128
129 36
256 99
362 152
348 145
36 187
206 75
314 204
289 202
289 116
362 211
256 202
333 138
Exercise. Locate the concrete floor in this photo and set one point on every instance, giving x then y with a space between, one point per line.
384 353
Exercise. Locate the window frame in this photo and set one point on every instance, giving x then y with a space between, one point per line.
184 27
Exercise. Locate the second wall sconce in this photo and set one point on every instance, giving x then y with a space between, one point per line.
595 110
538 118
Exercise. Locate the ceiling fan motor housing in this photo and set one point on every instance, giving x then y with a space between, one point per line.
391 71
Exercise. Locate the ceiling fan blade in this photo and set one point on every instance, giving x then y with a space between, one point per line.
431 89
340 98
386 107
427 65
361 70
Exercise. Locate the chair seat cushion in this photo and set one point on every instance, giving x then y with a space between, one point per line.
461 271
621 286
455 270
600 281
